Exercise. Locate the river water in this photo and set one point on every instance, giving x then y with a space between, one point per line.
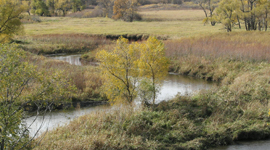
72 59
173 84
247 145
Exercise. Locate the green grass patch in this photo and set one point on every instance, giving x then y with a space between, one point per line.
106 26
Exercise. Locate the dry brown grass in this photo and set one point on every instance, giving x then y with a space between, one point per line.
243 46
100 130
86 79
219 57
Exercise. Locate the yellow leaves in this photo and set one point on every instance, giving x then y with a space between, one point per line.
9 21
127 63
153 62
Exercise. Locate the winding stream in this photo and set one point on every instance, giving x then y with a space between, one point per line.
172 85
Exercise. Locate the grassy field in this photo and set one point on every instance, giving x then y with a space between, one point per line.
71 35
179 23
172 15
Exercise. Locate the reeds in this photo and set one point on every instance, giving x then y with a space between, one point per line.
242 46
219 57
86 79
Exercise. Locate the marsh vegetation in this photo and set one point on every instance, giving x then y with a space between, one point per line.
238 61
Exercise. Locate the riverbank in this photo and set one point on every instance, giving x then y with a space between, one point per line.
237 110
183 123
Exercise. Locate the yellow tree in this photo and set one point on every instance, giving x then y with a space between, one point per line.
262 11
227 13
120 70
133 68
153 65
22 84
63 6
208 7
10 24
27 6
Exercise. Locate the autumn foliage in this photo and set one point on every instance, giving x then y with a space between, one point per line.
125 9
128 65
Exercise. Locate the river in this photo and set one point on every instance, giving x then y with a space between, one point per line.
173 84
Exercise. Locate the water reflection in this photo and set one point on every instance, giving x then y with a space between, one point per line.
72 59
54 119
176 84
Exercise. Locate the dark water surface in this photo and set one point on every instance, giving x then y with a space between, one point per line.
248 145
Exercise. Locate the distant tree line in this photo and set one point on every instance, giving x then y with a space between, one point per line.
248 14
117 9
53 7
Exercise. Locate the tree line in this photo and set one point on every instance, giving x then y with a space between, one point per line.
53 7
248 14
116 9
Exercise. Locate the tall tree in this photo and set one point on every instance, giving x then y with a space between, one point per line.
132 69
39 7
120 70
208 7
262 11
153 65
10 24
27 6
77 5
63 6
51 6
227 13
21 84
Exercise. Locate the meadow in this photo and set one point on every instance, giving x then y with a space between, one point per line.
177 23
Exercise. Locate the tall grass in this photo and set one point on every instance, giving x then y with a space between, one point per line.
86 79
183 123
242 46
218 56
